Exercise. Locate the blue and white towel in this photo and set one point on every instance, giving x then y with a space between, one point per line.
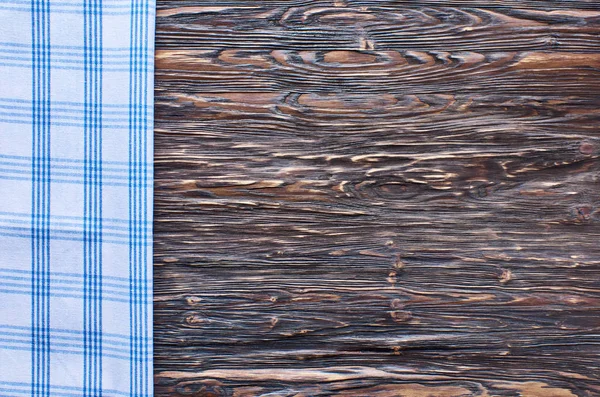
76 101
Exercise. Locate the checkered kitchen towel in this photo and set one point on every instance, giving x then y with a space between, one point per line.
76 81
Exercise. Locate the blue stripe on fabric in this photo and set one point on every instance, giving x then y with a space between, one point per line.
58 162
61 277
108 335
24 8
56 64
132 285
74 237
75 234
66 181
92 239
44 386
71 227
61 285
75 4
40 230
12 386
147 257
67 221
66 160
6 168
63 124
67 344
19 291
56 61
136 322
68 103
8 289
14 115
66 47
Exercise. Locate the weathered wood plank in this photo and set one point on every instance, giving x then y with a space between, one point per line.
377 198
322 25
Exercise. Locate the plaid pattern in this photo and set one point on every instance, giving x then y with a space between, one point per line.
76 155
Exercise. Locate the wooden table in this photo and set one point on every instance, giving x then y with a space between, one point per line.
377 198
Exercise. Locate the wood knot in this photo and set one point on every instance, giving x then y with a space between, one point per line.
396 304
584 212
401 316
587 148
506 276
398 264
200 390
482 191
392 277
195 319
366 44
552 41
192 300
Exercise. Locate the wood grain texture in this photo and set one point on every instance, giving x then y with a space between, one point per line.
377 198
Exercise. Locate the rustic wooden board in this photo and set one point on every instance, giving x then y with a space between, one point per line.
377 198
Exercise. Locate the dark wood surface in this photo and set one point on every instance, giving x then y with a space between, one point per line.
377 198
